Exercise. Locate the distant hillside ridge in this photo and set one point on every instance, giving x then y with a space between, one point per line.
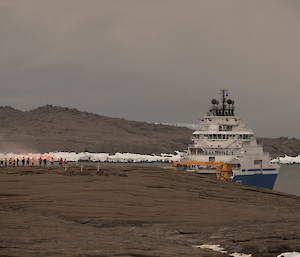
53 128
280 146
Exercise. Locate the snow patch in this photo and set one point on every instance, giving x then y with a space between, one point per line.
290 254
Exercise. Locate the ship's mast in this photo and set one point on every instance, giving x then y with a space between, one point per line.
222 110
223 101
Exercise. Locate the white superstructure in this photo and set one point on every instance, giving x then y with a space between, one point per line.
223 137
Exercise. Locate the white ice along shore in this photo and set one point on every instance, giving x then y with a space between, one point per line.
121 157
95 157
287 160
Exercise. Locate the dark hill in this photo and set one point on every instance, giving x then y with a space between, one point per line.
51 128
280 146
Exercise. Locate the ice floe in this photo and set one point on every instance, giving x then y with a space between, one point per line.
96 157
287 160
123 157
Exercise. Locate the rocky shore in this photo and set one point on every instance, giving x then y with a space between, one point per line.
138 211
130 211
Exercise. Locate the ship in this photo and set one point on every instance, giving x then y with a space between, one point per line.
223 138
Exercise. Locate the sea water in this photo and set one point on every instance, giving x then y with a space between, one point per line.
288 179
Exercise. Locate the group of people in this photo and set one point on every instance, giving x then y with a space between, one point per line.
10 162
15 161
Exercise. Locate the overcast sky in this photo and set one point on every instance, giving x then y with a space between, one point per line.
155 60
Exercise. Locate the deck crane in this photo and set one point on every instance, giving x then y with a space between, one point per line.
223 169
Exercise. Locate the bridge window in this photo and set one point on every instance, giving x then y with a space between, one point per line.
199 151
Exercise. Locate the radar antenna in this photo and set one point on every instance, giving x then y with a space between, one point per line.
222 110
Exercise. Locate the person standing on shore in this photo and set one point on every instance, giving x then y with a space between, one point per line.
23 161
27 161
52 161
45 161
60 161
17 161
40 161
14 162
10 161
1 162
5 162
32 162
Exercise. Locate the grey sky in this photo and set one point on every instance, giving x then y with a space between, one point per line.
155 60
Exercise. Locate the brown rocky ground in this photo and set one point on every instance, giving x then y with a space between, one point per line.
50 128
136 211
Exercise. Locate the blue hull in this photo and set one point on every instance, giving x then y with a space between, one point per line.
257 180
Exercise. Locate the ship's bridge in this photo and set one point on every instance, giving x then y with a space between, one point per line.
222 135
222 123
